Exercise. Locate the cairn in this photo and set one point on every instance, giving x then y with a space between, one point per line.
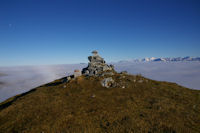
96 65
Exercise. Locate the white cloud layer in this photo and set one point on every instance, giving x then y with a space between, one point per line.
183 73
17 80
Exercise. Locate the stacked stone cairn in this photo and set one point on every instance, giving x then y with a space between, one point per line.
96 66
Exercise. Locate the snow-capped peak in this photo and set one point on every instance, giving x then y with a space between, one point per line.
154 59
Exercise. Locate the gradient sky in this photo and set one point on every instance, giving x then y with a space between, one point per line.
34 32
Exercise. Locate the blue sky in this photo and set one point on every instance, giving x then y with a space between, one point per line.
35 32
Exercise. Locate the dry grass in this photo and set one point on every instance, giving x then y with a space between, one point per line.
83 105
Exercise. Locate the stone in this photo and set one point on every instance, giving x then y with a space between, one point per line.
87 72
107 82
123 72
93 96
107 73
77 73
140 81
68 78
96 65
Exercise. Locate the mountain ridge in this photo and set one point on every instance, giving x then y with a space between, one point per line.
135 104
99 99
166 59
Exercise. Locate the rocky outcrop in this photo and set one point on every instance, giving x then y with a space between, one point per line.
108 82
96 65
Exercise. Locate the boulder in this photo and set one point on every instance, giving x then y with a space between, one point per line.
107 82
68 78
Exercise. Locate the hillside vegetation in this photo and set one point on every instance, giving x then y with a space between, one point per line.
135 104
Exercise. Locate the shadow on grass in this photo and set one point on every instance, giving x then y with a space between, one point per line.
53 84
58 82
9 102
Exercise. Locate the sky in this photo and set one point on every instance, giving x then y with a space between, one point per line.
41 32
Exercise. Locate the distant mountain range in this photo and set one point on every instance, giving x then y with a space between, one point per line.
154 59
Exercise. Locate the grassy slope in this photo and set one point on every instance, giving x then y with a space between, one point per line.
82 105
